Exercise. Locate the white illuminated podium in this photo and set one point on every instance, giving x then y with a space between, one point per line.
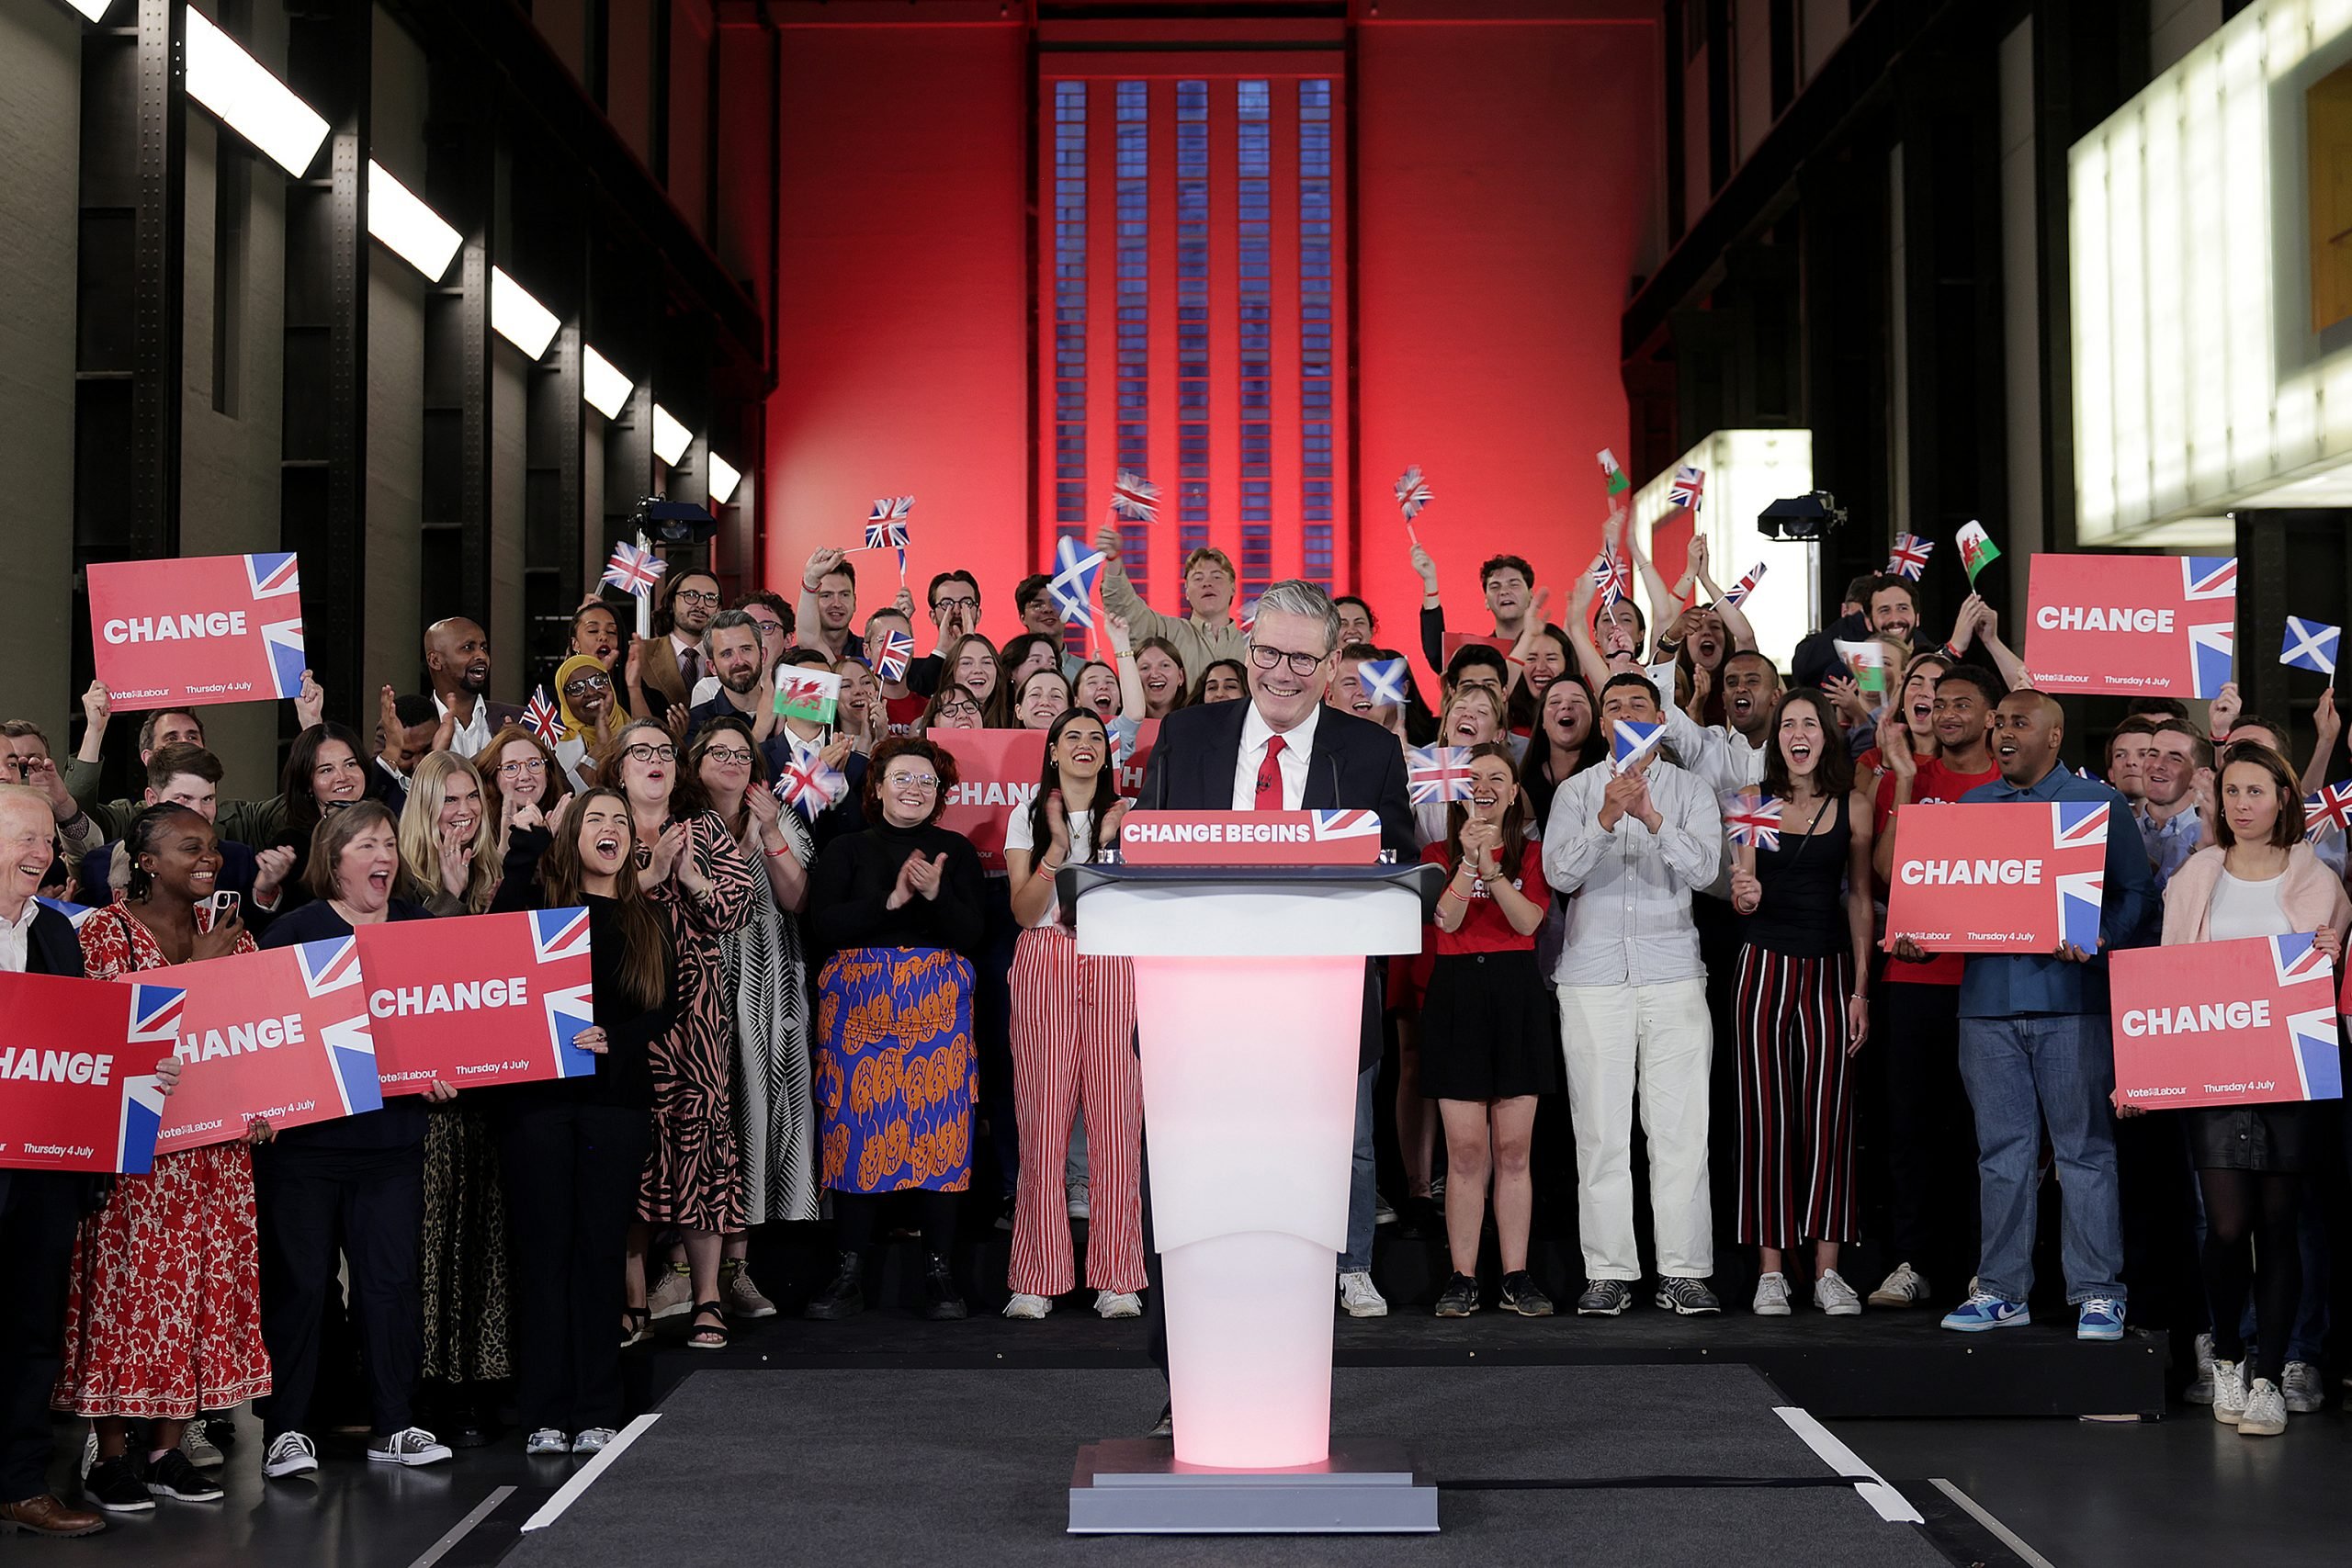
1250 995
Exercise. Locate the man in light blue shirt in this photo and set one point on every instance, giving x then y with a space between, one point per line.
2172 817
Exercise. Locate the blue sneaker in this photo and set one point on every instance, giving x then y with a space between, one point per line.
2102 1319
1983 1310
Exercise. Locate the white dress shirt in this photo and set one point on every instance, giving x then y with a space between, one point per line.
16 938
1630 920
467 739
1298 746
1718 754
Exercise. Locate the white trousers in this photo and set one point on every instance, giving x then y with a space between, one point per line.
1656 1040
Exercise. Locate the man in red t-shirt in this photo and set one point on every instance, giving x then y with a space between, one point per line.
1931 1147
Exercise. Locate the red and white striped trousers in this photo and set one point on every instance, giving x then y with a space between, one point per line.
1796 1112
1073 1043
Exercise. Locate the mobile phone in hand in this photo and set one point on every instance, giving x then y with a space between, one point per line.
224 906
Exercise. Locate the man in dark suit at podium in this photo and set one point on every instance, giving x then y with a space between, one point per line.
1283 751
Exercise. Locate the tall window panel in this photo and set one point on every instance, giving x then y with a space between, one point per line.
1253 201
1069 302
1315 330
1192 304
1135 314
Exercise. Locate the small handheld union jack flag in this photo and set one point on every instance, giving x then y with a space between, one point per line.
885 525
1910 556
1412 492
1614 577
1436 774
1737 594
1751 819
891 658
541 719
1247 619
809 787
1134 497
1689 485
634 569
2329 808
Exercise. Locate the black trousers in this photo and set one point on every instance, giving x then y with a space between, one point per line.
571 1176
38 1219
370 1204
1932 1134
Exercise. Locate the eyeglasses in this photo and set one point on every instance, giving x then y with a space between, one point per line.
728 757
580 685
695 596
767 627
528 765
1266 658
912 781
651 753
954 601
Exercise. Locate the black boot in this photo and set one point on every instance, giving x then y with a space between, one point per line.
845 1297
941 1300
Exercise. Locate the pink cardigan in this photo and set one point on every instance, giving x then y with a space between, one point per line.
2313 895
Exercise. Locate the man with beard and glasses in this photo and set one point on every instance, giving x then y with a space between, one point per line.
734 651
456 662
671 662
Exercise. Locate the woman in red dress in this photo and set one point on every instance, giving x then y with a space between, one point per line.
164 1315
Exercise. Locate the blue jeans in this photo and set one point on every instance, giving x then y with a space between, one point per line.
1363 1201
2022 1072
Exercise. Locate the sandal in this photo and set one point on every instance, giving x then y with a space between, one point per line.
636 1326
707 1337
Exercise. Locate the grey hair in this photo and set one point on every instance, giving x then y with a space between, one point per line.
727 620
1297 596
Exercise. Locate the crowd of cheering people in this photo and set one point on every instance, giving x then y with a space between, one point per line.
844 1015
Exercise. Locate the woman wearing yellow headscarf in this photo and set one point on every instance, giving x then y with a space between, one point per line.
593 714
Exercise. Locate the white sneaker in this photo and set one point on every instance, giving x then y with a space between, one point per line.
2266 1410
1772 1296
547 1440
1032 1308
672 1294
1834 1296
1360 1298
592 1439
89 1451
411 1446
1383 1213
200 1448
2303 1388
290 1455
1080 1204
1905 1287
2200 1387
2229 1392
1117 1303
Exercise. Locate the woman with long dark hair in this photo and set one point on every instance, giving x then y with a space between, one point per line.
1801 1004
325 770
972 664
1161 669
1073 1032
1567 740
574 1149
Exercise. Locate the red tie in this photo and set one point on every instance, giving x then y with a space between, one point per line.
1270 776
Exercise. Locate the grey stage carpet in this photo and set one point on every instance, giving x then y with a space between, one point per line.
957 1468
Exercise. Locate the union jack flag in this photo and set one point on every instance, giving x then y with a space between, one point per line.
1134 497
1614 575
2298 956
542 718
329 965
2078 822
1331 825
156 1012
891 658
1752 820
634 570
1688 486
1435 774
1910 556
886 526
1737 594
809 787
1412 492
274 575
559 933
1249 619
2209 577
2330 806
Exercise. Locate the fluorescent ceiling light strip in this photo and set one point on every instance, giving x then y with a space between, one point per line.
519 318
601 388
671 439
411 229
723 478
250 101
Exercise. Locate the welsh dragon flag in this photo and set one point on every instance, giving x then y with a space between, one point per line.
1977 550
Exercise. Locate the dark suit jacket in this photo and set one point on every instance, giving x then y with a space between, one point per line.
1355 764
53 947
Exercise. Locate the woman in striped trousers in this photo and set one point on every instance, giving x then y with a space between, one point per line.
1073 1041
1801 1008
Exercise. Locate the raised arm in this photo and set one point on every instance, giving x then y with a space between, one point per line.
1734 619
1579 629
1132 702
1119 595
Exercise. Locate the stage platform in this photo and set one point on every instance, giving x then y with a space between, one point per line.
1640 1464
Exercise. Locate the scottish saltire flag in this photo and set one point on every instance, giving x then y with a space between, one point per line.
1910 556
1384 680
804 693
1412 492
2328 809
1437 775
1737 594
1134 497
2309 645
1977 550
1613 476
542 718
1752 820
634 569
1688 486
1631 740
885 525
76 913
809 787
897 650
1075 569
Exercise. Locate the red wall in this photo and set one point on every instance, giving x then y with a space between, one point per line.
902 342
1503 180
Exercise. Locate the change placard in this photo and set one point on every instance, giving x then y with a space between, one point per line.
77 1083
998 771
476 999
207 629
2137 625
2224 1023
279 1036
2012 876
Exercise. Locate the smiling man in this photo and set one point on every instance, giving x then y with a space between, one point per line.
1205 634
1730 755
457 662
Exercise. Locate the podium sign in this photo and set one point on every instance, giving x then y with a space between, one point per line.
1250 837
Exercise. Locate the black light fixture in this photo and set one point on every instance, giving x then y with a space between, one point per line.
1808 516
673 522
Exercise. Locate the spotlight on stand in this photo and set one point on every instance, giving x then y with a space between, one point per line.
673 522
1809 516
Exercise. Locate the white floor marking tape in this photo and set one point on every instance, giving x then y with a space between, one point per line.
462 1528
2001 1532
1892 1506
570 1490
